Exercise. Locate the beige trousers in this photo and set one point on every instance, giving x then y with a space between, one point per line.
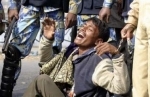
141 62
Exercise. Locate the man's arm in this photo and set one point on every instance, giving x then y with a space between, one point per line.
112 75
133 13
45 47
104 13
45 50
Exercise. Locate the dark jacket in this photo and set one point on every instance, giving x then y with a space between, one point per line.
126 7
90 7
116 20
84 67
62 4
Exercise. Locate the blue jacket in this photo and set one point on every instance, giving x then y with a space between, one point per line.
84 67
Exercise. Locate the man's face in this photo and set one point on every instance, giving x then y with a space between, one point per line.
87 35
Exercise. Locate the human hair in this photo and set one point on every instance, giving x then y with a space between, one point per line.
102 28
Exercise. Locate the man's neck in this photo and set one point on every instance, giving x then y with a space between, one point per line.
83 50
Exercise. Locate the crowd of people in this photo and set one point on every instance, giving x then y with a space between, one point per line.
107 57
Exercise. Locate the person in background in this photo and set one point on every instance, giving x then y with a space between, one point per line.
26 30
2 16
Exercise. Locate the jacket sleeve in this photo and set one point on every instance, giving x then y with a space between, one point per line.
133 13
73 6
112 75
13 4
45 50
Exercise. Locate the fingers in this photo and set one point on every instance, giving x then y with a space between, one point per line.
70 20
48 22
124 33
129 34
127 31
105 48
66 23
98 48
104 14
9 18
101 48
101 17
12 13
69 23
16 16
107 18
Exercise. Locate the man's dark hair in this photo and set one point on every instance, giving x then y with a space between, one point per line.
102 28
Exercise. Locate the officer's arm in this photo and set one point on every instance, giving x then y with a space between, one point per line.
133 14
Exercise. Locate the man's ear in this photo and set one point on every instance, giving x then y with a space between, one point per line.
98 41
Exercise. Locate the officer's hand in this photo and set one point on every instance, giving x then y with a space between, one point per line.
105 47
12 13
71 20
104 14
49 28
127 31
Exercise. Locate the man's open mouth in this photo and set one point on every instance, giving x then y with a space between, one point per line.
80 35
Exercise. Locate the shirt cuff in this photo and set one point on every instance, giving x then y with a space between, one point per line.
108 3
47 40
73 9
13 5
132 20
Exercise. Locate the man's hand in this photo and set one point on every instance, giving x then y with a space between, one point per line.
71 20
104 14
102 48
12 13
71 93
127 31
49 28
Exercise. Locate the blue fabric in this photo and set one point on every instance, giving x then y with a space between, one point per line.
28 27
84 67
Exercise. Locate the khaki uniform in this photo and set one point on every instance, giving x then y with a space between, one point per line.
139 15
